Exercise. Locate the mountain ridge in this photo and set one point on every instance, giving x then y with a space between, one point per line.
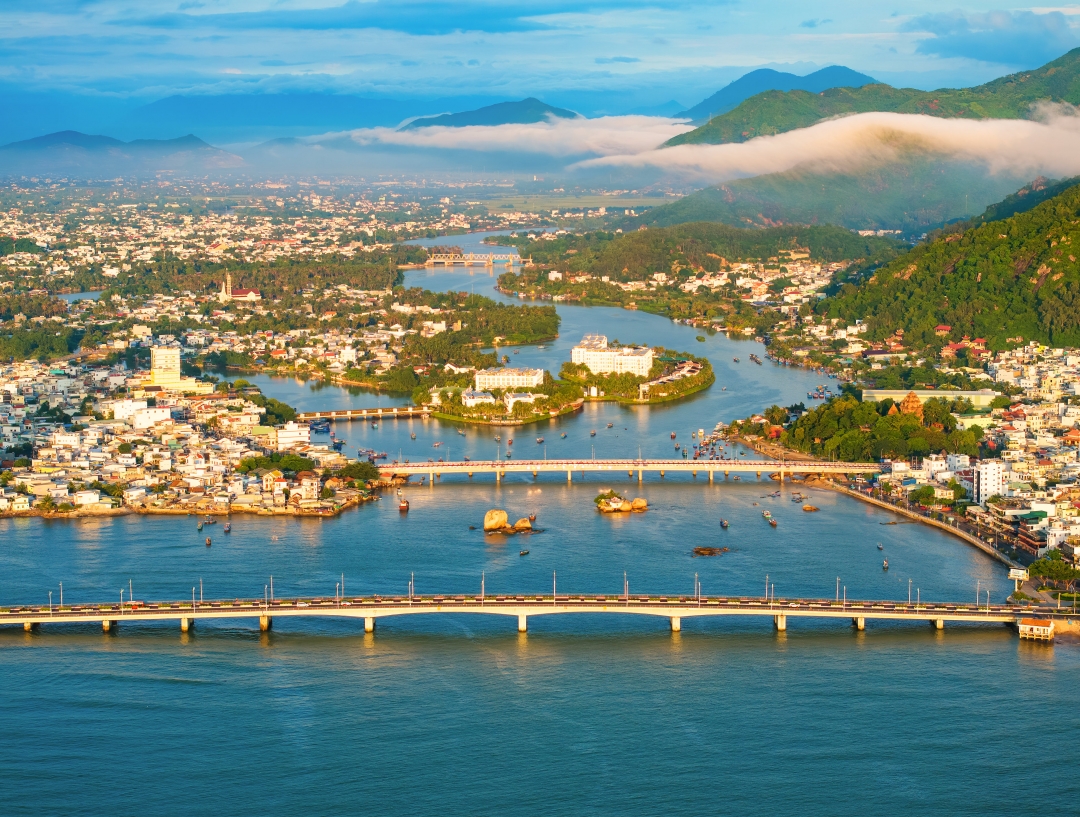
521 112
768 79
1008 97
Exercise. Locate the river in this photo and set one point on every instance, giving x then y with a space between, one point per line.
585 715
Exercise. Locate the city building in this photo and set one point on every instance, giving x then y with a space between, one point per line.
293 435
229 294
508 378
989 480
594 353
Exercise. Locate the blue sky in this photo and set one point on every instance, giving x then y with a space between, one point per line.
558 49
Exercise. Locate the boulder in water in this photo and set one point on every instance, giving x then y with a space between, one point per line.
639 504
495 520
523 524
626 505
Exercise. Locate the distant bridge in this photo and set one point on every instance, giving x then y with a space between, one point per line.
521 606
403 413
472 259
710 467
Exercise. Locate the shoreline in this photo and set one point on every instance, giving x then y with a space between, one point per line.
989 550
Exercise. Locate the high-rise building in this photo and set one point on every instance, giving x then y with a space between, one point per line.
594 353
988 480
165 367
508 378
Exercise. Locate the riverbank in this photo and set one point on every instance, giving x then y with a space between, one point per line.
975 541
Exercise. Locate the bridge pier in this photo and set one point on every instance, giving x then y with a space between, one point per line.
676 624
661 475
859 623
29 626
470 474
939 623
431 477
369 624
534 474
780 621
498 476
710 476
266 623
186 624
693 474
569 476
523 625
107 626
640 475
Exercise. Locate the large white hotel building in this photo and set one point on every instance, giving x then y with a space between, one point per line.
508 378
593 352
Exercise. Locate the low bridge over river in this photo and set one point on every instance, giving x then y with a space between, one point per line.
521 607
631 466
393 413
472 259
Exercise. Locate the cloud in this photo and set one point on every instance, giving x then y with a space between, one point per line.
420 17
610 60
1004 37
813 23
1049 145
565 138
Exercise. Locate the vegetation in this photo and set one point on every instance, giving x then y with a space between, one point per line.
913 195
281 462
42 344
1010 97
627 387
1054 568
681 253
1016 278
851 431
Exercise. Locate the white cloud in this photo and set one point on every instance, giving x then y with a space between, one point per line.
1049 145
566 138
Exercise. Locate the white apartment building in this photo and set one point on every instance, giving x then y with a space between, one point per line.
508 378
988 480
292 435
594 353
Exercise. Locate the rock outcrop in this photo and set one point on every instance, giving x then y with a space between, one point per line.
639 504
495 520
523 524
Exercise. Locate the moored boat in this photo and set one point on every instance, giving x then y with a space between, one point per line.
227 527
724 524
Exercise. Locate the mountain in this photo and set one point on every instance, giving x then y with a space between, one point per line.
1016 277
95 155
766 79
522 112
1010 97
913 196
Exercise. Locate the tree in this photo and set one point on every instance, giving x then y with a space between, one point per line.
124 448
776 415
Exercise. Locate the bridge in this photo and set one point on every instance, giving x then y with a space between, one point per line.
472 259
402 413
613 466
521 607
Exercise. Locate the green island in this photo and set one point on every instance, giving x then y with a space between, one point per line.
673 375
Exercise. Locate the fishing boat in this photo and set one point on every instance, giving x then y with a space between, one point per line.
592 433
337 445
374 424
563 435
208 541
412 436
532 517
319 426
466 458
227 527
209 521
509 454
880 546
199 527
885 565
772 522
436 444
724 524
461 432
766 514
735 359
333 434
510 441
609 425
523 553
673 435
498 438
539 440
403 505
676 446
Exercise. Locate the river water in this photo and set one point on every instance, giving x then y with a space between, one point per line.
583 715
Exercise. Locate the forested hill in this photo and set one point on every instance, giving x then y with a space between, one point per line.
1009 97
1018 277
632 256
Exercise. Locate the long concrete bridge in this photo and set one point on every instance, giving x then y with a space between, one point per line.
472 259
522 606
402 413
709 467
